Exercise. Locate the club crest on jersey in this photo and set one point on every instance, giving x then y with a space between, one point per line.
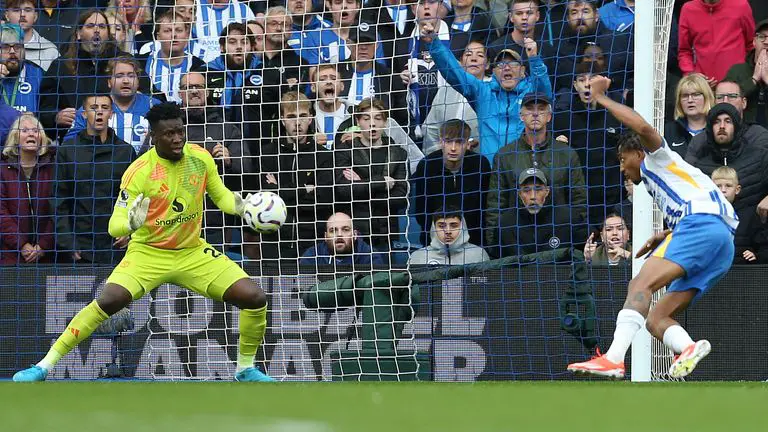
256 80
140 129
554 242
25 88
364 26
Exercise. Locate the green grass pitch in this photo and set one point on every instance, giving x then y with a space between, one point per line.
385 407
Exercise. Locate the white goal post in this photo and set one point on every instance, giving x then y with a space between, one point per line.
650 358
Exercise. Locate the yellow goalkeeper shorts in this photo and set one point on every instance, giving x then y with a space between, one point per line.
201 269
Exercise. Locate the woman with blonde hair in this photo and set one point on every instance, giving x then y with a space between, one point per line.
693 100
27 179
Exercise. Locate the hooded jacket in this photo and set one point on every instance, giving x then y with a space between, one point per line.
461 251
498 110
321 255
88 175
40 51
747 154
25 210
713 37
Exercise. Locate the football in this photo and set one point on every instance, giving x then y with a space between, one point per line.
265 212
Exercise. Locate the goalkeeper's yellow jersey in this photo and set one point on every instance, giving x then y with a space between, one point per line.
176 190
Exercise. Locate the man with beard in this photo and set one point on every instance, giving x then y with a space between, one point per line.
81 71
20 79
39 50
228 74
342 246
170 56
128 105
537 224
212 16
205 126
726 142
301 172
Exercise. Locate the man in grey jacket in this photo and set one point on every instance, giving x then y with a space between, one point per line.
450 243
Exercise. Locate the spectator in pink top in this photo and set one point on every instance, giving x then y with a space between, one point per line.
714 35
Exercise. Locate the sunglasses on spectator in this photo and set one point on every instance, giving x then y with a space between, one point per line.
508 63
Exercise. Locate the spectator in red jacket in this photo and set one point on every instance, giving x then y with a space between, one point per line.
26 186
714 35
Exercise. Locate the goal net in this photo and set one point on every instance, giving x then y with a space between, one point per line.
392 155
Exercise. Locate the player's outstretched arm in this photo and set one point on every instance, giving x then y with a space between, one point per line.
649 136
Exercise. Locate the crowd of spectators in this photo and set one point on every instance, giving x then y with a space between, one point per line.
461 129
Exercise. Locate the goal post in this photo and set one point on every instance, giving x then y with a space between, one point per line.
650 358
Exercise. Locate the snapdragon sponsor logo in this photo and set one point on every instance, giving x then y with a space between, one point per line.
180 219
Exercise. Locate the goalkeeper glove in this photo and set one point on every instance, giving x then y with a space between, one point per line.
137 213
240 203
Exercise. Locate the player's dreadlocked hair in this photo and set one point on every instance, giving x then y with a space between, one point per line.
163 111
628 142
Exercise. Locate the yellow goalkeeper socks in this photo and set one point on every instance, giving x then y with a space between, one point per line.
253 324
78 330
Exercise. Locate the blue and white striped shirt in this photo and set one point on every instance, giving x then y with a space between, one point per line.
679 189
130 125
164 77
211 21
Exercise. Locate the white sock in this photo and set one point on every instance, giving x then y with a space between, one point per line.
628 323
244 362
677 339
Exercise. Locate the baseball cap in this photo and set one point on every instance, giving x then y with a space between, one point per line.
507 53
532 173
11 34
762 25
536 98
364 32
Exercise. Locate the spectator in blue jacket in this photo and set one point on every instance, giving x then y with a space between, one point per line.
341 246
19 79
618 15
496 102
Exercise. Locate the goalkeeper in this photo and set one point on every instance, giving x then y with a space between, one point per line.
161 207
